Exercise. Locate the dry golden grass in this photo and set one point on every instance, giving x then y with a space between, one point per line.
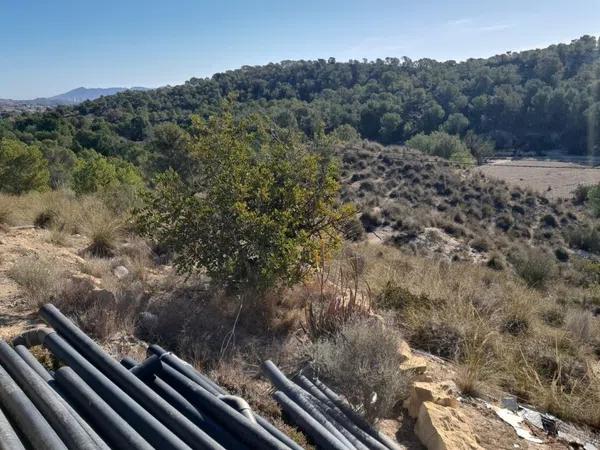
499 331
39 278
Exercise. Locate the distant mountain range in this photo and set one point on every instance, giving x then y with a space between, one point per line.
72 97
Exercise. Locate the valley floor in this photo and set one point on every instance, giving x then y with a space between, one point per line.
556 178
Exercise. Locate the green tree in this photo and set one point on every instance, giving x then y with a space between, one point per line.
261 211
94 172
480 147
439 144
22 167
594 199
170 149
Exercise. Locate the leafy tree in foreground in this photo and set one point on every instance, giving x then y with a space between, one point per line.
22 168
260 211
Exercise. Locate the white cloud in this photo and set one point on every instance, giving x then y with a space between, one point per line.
457 22
492 28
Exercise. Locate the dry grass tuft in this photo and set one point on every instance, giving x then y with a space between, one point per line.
104 232
39 278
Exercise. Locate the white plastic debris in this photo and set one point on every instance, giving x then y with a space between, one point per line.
515 421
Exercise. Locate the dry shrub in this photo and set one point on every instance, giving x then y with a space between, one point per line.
103 317
582 326
535 266
341 296
346 361
438 338
39 278
558 382
6 209
96 267
58 237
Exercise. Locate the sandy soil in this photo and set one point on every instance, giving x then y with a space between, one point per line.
557 179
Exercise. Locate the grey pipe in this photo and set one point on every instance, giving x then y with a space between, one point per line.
141 420
299 396
317 432
250 433
32 361
189 371
199 417
178 424
46 400
346 408
325 404
9 440
113 427
23 413
240 405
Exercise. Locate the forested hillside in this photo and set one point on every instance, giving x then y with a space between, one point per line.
532 100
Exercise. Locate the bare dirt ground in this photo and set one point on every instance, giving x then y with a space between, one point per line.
557 179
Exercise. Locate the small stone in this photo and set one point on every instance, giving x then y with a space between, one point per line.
120 272
510 403
441 428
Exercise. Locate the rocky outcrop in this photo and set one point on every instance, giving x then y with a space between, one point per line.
440 424
442 428
443 394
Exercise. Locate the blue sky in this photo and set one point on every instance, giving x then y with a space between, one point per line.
51 46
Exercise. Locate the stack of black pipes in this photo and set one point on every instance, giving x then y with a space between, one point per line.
323 415
93 402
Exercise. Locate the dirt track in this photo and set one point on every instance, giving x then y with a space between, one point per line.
561 177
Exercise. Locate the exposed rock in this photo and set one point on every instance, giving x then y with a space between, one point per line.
120 272
442 394
442 428
84 283
415 365
404 351
102 297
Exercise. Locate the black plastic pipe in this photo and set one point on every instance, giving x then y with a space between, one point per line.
146 397
182 405
346 408
23 413
248 432
334 412
317 432
9 440
112 426
32 361
186 369
141 420
299 396
46 400
211 386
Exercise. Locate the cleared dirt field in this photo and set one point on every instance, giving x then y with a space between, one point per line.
554 178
